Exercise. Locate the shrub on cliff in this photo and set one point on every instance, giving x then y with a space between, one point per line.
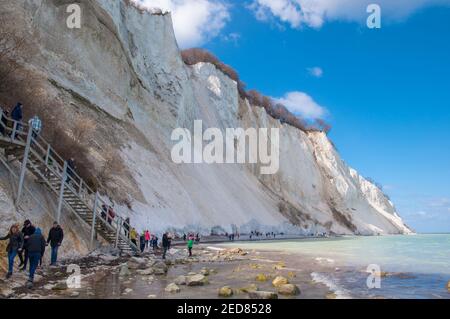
197 55
255 98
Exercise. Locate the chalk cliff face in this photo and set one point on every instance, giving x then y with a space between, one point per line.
123 68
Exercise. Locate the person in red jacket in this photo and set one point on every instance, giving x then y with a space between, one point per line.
147 239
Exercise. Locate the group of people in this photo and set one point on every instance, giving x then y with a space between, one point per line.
147 241
232 236
258 234
189 239
108 214
29 244
17 115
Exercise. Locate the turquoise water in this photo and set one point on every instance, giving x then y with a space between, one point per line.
419 265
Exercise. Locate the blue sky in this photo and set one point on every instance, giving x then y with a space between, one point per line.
386 92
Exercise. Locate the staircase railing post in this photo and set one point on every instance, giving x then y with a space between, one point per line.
119 224
14 130
61 192
94 215
24 162
47 154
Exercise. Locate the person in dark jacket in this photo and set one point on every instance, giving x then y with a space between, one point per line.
16 113
35 246
104 211
126 227
155 242
27 230
70 169
55 238
165 245
142 242
14 247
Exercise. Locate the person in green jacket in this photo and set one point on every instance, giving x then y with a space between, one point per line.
190 244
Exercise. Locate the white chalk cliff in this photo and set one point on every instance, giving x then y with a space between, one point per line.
123 68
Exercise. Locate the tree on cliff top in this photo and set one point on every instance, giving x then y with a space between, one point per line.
275 110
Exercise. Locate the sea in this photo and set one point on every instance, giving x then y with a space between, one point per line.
407 266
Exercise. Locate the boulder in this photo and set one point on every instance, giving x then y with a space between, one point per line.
448 286
279 266
124 271
161 266
205 271
180 280
288 290
138 260
261 277
262 295
225 291
169 262
60 286
292 274
279 281
172 288
196 280
247 289
236 251
159 271
6 292
179 261
137 263
146 272
127 291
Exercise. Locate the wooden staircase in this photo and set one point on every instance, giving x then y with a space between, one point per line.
38 157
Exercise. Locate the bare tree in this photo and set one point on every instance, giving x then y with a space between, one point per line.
12 46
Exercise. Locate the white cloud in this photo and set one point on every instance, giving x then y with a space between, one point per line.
233 37
314 13
315 72
301 103
194 21
440 202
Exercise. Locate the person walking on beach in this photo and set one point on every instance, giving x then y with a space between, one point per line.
190 244
169 240
165 244
133 236
147 239
27 230
142 242
155 242
35 246
55 238
14 247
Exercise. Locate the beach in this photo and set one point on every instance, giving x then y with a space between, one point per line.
329 268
